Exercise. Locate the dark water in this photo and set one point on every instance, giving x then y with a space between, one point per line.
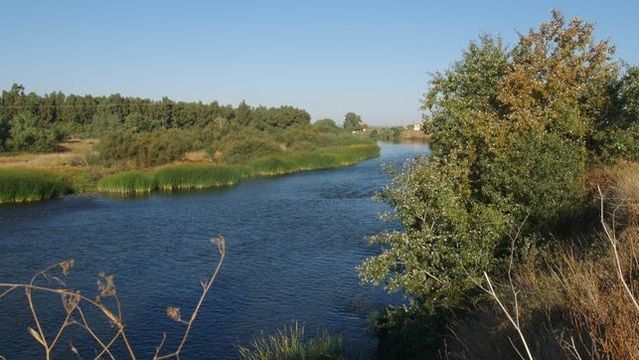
293 244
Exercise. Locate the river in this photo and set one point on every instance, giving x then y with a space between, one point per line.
293 243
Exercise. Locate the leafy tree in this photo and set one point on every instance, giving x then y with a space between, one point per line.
510 135
353 122
243 114
29 133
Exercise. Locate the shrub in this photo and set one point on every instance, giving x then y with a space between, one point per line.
144 150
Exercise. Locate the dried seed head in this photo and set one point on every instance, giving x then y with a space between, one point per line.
70 301
66 266
106 285
174 313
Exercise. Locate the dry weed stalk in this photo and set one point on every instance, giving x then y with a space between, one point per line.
612 238
512 318
74 304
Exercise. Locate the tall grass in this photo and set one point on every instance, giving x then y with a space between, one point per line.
27 185
290 344
196 176
127 183
321 159
577 300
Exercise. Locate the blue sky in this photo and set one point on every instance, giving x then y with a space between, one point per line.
329 57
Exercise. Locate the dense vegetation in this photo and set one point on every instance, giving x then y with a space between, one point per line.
136 135
516 133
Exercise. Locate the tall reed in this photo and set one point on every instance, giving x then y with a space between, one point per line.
27 185
196 176
127 183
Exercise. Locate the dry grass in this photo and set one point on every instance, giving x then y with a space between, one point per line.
571 302
78 307
73 154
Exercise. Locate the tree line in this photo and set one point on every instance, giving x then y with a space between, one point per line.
34 122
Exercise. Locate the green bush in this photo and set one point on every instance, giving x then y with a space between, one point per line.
145 149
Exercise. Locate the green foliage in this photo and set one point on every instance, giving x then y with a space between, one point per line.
97 116
26 185
28 133
103 123
618 135
127 183
290 344
353 122
510 135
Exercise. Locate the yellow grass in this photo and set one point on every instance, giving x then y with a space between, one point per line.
74 154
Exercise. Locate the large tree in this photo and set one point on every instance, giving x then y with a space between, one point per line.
510 133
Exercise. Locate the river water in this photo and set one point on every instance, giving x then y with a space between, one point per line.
293 243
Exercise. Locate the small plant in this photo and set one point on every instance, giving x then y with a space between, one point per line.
289 343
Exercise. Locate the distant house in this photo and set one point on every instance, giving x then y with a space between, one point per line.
415 126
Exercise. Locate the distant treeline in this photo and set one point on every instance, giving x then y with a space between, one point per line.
34 122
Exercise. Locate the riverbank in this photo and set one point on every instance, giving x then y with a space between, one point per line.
27 178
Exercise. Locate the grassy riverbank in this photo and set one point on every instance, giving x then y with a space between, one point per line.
201 175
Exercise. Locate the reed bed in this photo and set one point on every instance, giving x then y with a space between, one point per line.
28 185
127 183
323 159
196 176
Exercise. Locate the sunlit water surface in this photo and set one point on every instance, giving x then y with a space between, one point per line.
293 243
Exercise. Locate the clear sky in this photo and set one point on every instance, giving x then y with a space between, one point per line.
328 57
